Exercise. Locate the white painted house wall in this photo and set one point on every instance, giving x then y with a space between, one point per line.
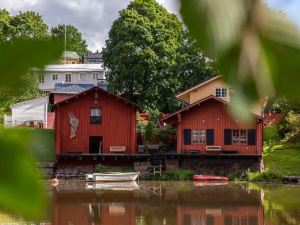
80 74
31 110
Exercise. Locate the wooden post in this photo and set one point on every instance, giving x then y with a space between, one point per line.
179 133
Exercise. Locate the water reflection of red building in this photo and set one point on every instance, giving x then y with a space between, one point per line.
94 214
220 216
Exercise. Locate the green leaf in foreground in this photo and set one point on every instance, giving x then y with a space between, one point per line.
17 57
20 189
257 50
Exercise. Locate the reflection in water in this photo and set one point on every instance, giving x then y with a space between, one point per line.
169 203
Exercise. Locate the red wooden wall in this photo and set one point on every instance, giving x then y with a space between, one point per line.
250 215
213 114
118 126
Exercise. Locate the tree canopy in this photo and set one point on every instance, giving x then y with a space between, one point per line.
142 54
28 25
75 42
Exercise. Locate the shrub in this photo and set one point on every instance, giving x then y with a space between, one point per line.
184 174
271 134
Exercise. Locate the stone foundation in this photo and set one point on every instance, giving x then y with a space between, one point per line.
222 166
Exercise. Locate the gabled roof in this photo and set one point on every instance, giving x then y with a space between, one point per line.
92 89
211 97
197 86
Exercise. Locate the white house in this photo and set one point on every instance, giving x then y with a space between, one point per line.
70 74
28 113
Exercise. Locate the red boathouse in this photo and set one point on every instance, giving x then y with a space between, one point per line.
95 122
206 127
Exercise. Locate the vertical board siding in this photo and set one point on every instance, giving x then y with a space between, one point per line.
116 128
214 115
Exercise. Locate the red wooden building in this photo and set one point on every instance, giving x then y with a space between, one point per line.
95 122
207 127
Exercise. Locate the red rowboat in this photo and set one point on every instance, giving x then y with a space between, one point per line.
209 178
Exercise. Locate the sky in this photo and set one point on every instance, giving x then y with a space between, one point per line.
95 17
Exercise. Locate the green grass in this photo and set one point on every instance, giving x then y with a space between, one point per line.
42 145
283 159
180 174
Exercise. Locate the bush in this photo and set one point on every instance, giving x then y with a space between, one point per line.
265 176
180 174
271 134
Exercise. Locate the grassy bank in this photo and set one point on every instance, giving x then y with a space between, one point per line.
279 161
42 146
283 159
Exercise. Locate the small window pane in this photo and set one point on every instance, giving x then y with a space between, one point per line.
95 117
224 92
243 134
202 136
83 77
218 92
235 136
194 136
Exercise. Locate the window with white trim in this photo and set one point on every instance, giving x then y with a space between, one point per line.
41 78
239 137
221 92
95 117
83 77
95 76
198 136
54 77
68 77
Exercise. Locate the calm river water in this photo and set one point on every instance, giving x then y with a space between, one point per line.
170 203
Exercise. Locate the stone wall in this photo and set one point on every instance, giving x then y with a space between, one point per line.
222 166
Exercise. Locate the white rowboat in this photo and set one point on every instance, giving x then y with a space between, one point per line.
112 176
115 186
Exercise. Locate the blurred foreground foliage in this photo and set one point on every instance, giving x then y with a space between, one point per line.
21 191
257 50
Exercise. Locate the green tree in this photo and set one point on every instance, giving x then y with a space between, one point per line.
193 66
29 25
141 53
5 26
75 42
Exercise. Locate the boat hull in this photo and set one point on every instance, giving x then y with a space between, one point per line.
210 178
114 177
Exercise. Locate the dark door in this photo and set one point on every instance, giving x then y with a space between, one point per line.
95 145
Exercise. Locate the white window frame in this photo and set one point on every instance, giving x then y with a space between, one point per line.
83 77
55 76
199 136
221 92
41 78
68 77
96 76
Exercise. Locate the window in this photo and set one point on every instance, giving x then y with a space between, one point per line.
83 77
95 76
202 136
243 135
96 116
198 136
194 136
68 77
54 77
221 92
41 78
239 137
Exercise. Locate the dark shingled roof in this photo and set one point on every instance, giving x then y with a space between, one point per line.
59 86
